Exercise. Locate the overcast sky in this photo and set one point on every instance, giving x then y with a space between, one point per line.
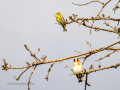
32 22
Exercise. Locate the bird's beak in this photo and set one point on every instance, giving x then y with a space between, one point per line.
55 15
72 61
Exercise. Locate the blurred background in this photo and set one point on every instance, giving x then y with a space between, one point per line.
32 22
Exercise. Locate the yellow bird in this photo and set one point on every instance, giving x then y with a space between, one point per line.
77 67
60 19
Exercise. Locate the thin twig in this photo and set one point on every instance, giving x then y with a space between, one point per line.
77 51
113 66
21 74
88 3
116 7
86 57
107 55
96 28
89 44
99 69
49 70
30 77
59 62
99 13
86 83
68 67
111 26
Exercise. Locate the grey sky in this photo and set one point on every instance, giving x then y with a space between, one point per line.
32 22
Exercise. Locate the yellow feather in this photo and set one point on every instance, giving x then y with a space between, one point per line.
60 19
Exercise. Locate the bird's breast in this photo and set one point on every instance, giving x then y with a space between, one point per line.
77 68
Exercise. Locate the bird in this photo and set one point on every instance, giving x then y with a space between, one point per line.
60 19
77 67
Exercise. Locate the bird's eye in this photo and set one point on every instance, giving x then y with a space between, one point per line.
77 59
74 60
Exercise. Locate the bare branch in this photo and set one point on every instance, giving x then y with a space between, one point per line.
91 67
98 18
86 56
116 7
5 67
30 77
21 74
113 66
96 28
49 70
37 51
58 60
77 51
107 55
89 44
87 72
111 26
88 3
86 81
33 55
68 67
99 13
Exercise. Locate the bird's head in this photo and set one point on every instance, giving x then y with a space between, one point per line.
76 60
57 14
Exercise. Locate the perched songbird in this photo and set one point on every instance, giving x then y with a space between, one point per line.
60 19
77 67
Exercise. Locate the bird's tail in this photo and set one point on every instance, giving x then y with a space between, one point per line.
64 29
79 76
